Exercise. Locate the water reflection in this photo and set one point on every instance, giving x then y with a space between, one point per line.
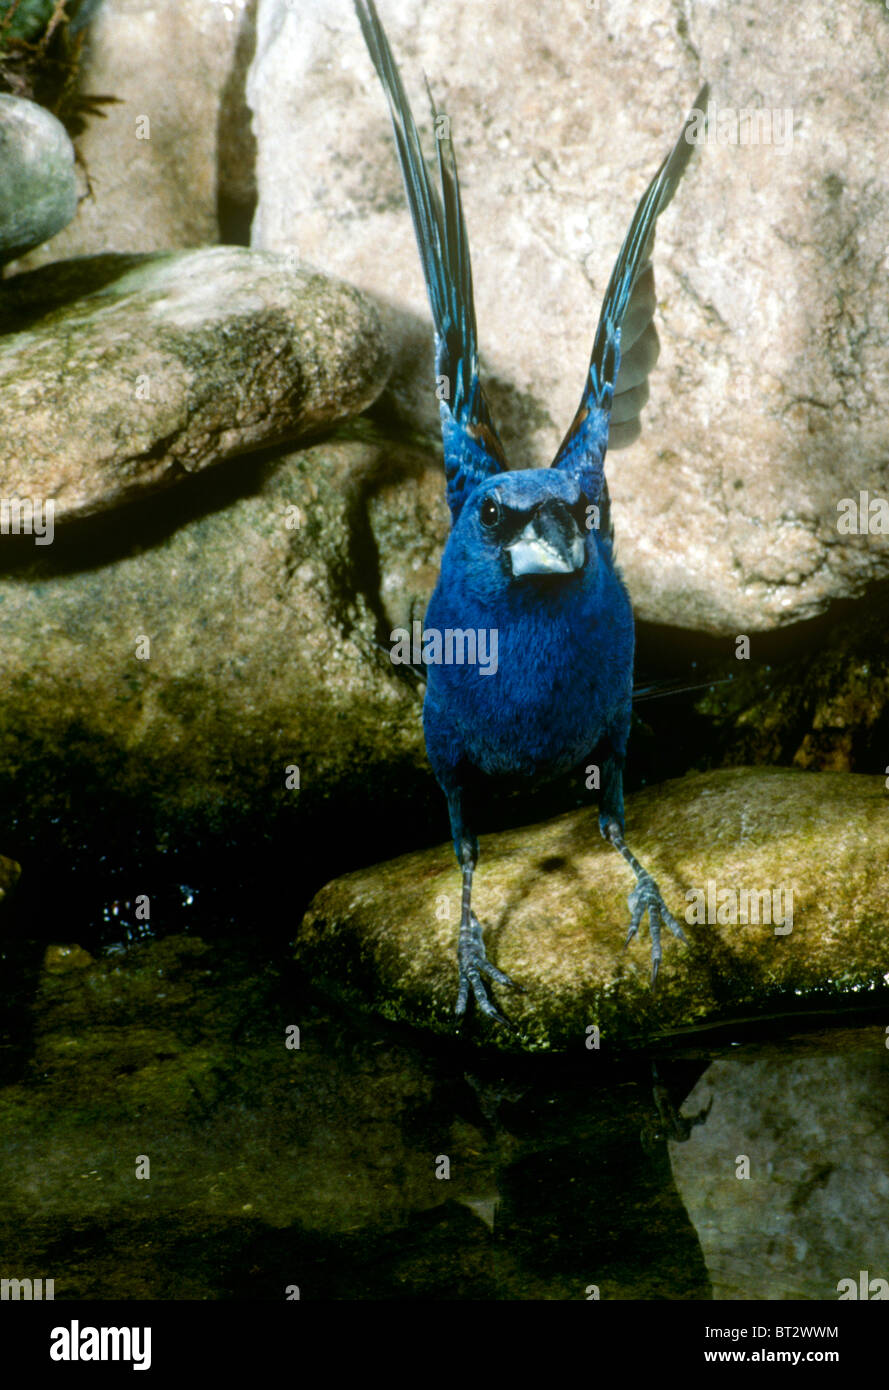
366 1163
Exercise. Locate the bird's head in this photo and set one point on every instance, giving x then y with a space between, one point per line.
522 530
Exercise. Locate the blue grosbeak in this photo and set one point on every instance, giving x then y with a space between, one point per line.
530 555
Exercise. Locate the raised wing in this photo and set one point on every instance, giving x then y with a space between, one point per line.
472 449
625 346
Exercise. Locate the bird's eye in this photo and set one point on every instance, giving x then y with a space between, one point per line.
490 512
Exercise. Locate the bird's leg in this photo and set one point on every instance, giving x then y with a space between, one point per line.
646 896
471 958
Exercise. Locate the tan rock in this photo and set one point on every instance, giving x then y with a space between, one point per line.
130 376
553 899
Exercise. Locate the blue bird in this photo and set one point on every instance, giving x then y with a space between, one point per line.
529 561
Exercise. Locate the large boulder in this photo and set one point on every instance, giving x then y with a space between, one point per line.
766 407
210 666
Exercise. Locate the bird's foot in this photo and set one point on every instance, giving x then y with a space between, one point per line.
473 964
647 897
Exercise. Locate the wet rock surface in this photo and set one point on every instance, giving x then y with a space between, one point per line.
820 701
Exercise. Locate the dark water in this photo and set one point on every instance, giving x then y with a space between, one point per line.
368 1163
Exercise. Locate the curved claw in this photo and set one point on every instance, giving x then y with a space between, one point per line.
473 964
647 897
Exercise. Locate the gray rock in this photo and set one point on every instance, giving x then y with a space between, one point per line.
767 405
810 1211
553 898
38 188
175 145
169 364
